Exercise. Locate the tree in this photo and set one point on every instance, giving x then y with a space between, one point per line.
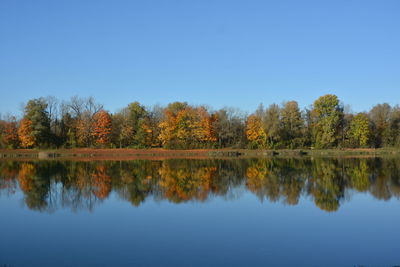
122 134
138 120
255 132
102 128
155 118
395 126
271 123
25 133
359 131
292 125
229 128
188 128
327 116
35 112
380 118
82 111
10 133
168 125
184 126
67 135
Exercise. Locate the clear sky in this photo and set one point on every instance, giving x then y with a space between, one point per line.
220 52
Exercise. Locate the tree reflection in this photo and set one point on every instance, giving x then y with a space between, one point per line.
51 185
186 180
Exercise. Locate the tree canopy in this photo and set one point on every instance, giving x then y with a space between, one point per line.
82 122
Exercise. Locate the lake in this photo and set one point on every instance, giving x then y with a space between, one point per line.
201 212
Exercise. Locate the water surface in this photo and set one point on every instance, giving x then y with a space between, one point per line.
192 212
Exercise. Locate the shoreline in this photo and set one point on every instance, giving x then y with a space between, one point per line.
159 153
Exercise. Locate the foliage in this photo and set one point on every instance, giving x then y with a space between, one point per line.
10 133
229 128
255 132
272 125
81 122
102 128
187 127
380 117
39 122
292 125
327 116
359 131
25 133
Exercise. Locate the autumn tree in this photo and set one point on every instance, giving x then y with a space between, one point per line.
184 126
255 132
2 127
25 134
169 124
102 128
10 133
327 116
82 111
193 127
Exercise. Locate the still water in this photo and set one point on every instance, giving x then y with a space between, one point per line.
201 212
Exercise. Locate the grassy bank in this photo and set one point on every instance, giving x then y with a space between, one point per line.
195 153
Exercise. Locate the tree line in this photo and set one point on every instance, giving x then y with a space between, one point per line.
82 122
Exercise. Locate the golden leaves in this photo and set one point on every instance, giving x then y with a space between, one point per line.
25 133
255 131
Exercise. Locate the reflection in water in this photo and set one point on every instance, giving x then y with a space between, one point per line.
50 185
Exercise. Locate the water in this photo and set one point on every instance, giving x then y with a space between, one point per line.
199 212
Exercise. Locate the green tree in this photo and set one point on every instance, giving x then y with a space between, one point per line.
327 115
271 123
394 133
36 112
138 118
359 132
292 125
380 117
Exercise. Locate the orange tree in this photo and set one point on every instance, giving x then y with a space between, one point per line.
102 128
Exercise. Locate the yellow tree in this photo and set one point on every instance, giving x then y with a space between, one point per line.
207 125
184 126
168 128
83 132
255 132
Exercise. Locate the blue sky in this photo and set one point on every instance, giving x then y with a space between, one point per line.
220 53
